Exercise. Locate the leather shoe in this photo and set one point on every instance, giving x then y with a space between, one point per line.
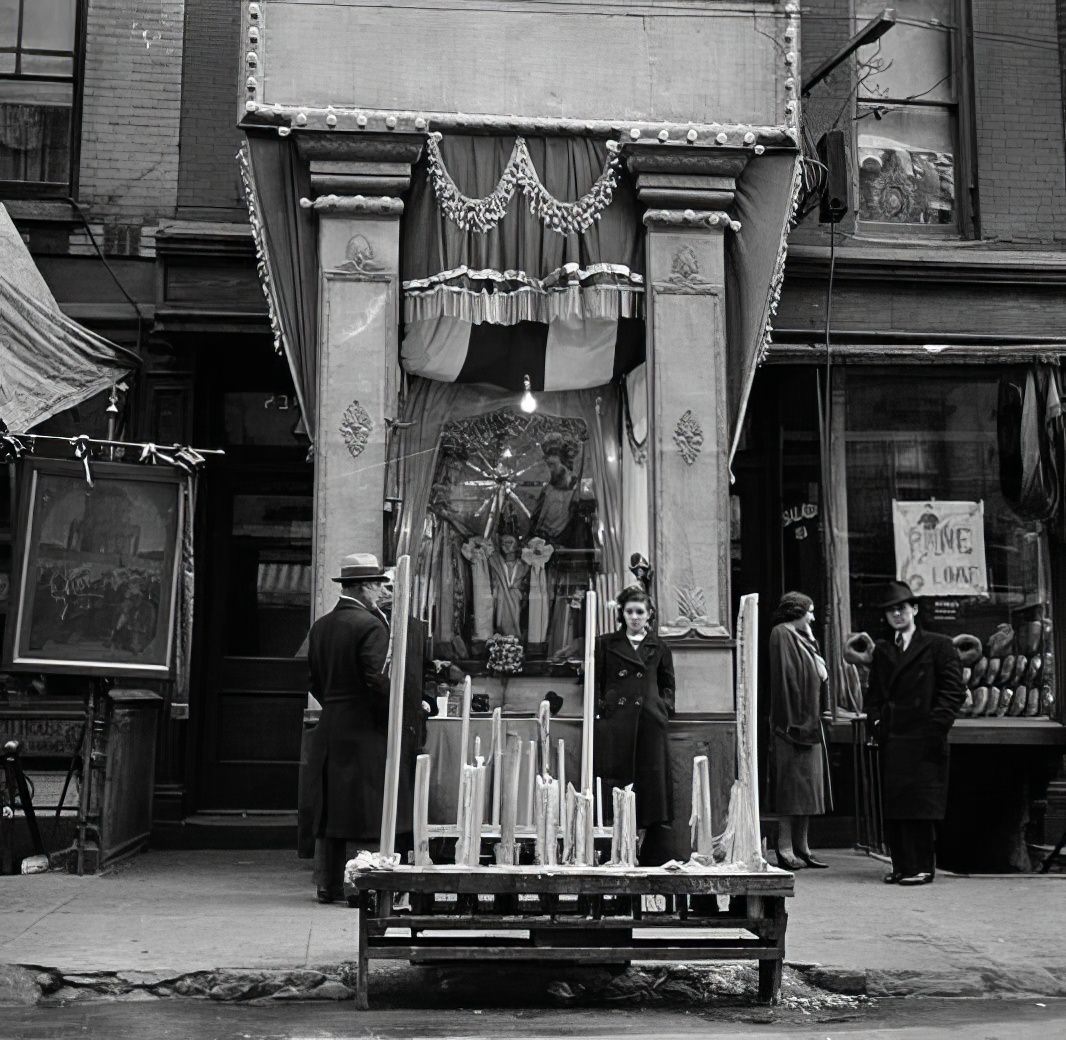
811 861
327 895
785 863
922 878
893 878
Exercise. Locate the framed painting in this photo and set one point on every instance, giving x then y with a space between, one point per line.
94 580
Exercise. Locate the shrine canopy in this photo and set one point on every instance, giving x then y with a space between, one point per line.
522 256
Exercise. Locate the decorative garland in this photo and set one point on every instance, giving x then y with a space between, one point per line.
481 215
263 266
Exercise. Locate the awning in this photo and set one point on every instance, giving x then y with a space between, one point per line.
47 361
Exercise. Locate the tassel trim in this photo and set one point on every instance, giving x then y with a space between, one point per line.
520 174
610 291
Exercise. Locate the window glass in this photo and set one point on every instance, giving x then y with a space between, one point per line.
47 65
906 165
9 23
924 502
910 60
269 575
48 25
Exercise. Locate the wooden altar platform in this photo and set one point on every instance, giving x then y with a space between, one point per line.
571 914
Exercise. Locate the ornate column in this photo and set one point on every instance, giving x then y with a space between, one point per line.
356 186
688 193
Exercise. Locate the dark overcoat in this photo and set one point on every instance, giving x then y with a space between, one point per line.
910 706
634 702
346 653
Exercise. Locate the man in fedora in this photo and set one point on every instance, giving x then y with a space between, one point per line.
915 690
347 653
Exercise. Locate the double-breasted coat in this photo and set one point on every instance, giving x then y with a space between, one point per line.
910 705
347 650
635 699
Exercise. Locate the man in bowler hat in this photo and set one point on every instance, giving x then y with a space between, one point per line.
914 692
347 653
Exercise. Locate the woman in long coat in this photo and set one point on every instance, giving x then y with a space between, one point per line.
635 699
797 752
914 692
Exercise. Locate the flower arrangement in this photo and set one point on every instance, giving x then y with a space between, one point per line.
506 655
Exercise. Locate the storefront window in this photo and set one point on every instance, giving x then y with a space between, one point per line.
924 504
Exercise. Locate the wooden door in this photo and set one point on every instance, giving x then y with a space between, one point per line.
255 590
257 681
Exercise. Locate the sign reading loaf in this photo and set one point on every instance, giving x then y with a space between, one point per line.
940 547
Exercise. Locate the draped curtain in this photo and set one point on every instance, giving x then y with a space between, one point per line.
538 292
286 239
755 268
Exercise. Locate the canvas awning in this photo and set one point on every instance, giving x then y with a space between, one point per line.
48 362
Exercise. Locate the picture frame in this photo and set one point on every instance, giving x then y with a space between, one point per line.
95 573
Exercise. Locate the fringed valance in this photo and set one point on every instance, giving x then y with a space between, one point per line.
609 291
568 247
520 173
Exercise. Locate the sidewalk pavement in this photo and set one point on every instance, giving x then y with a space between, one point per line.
165 915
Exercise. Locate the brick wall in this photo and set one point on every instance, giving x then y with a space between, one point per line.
1021 158
131 113
208 182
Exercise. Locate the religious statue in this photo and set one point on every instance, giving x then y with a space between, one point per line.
478 550
556 516
535 554
509 573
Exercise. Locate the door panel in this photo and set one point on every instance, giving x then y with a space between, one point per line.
260 607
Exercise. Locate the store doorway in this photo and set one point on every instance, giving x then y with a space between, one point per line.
257 597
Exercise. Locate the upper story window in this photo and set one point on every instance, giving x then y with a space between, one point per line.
39 73
909 134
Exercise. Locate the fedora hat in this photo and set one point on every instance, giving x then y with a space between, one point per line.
361 567
896 592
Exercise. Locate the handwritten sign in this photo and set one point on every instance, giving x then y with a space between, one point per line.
940 547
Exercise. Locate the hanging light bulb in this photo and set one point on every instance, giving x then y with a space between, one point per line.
528 404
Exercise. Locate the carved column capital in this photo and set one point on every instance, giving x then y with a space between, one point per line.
685 178
696 218
360 173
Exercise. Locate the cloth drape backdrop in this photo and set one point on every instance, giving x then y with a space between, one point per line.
522 298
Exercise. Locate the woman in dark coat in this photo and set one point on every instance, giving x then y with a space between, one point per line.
797 753
915 690
634 702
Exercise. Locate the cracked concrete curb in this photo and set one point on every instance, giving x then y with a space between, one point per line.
974 982
30 984
27 985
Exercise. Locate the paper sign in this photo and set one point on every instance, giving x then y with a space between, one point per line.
940 547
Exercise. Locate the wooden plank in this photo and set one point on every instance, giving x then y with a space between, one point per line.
521 922
464 737
421 810
398 640
589 707
362 947
563 880
506 850
386 950
497 764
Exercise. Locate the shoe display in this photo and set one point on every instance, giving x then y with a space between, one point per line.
921 878
893 878
810 860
